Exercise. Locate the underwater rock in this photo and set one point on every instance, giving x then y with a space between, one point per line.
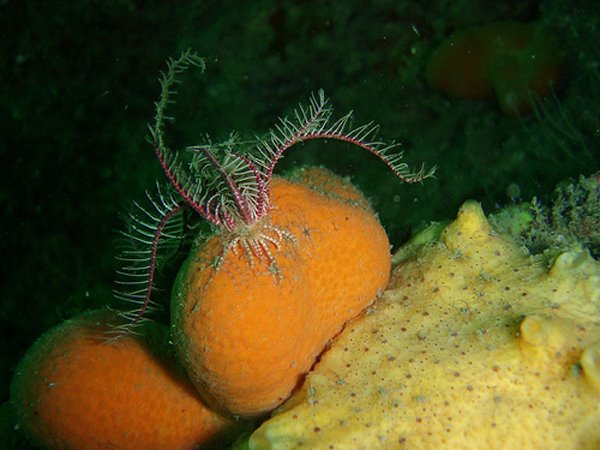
475 344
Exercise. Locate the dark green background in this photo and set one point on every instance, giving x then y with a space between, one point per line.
79 78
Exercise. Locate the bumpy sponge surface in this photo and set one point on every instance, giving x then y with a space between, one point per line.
76 390
247 339
475 345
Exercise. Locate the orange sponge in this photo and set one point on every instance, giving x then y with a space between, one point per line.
74 390
505 59
247 339
290 263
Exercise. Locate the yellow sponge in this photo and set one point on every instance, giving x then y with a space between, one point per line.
475 345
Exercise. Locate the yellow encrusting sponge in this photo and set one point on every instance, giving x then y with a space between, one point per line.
476 344
590 362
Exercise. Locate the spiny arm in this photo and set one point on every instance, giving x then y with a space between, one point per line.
181 181
314 122
151 231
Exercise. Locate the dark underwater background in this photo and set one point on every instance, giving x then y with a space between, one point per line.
78 80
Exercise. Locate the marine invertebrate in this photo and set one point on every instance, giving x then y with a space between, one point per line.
505 59
244 297
570 221
475 344
75 390
228 184
247 339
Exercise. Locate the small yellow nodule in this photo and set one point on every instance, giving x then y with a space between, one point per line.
547 336
590 361
533 330
471 220
569 263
